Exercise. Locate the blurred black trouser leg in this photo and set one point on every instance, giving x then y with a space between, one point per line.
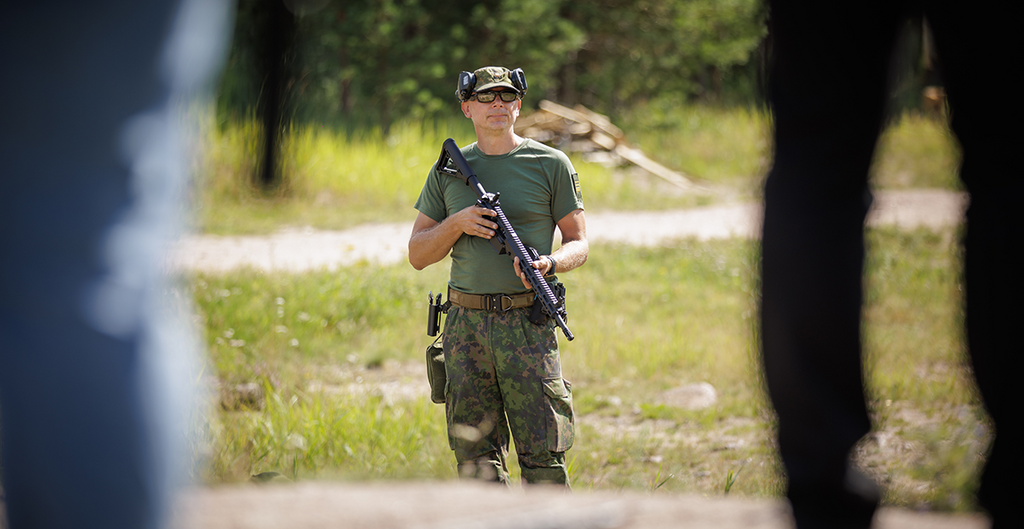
975 47
828 95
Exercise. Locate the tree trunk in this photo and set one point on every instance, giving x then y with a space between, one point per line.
278 31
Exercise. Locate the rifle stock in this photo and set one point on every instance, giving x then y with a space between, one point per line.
505 239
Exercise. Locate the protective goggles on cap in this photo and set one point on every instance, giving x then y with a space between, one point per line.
490 95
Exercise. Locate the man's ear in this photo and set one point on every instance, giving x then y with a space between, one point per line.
465 109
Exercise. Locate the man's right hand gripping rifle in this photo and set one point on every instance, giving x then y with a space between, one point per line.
505 240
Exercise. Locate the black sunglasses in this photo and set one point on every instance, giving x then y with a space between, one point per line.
488 97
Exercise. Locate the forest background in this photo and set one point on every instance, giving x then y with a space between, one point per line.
372 61
362 64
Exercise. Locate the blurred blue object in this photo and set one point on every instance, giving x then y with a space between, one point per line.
93 390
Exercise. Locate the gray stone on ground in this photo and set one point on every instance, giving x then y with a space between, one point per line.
248 396
691 396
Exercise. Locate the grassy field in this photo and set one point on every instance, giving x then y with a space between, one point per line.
335 181
338 356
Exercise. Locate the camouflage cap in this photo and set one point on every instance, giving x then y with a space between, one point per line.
490 77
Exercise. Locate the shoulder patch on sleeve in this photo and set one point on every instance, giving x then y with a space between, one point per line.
576 187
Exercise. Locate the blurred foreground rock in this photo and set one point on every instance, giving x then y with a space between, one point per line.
461 505
249 396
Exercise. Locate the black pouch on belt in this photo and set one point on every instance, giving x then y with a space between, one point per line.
537 316
436 375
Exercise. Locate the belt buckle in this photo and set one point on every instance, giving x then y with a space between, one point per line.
496 303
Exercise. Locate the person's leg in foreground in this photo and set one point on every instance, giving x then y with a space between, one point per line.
827 92
975 45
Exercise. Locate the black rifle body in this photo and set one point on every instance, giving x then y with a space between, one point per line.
505 239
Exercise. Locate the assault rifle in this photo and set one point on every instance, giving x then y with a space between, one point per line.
505 240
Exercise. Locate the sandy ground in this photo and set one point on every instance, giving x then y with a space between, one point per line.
460 505
296 250
464 505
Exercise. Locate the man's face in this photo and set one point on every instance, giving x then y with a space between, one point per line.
498 115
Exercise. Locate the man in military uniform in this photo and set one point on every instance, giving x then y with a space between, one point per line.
504 373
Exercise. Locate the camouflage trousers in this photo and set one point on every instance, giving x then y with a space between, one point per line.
504 376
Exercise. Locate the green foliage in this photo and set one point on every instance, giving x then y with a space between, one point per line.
382 62
242 84
657 482
730 480
679 49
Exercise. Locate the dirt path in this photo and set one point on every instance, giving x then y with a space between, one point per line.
296 250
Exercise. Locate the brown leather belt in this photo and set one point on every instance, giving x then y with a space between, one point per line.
491 302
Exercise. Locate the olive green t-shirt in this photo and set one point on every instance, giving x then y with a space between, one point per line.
538 187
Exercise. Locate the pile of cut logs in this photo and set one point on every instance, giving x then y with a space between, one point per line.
582 130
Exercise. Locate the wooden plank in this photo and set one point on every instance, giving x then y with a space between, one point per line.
637 157
601 123
564 112
601 134
605 141
540 119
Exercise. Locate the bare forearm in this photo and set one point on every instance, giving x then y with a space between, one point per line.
431 241
430 245
571 255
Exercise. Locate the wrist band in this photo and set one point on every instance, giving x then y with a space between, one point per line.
553 264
